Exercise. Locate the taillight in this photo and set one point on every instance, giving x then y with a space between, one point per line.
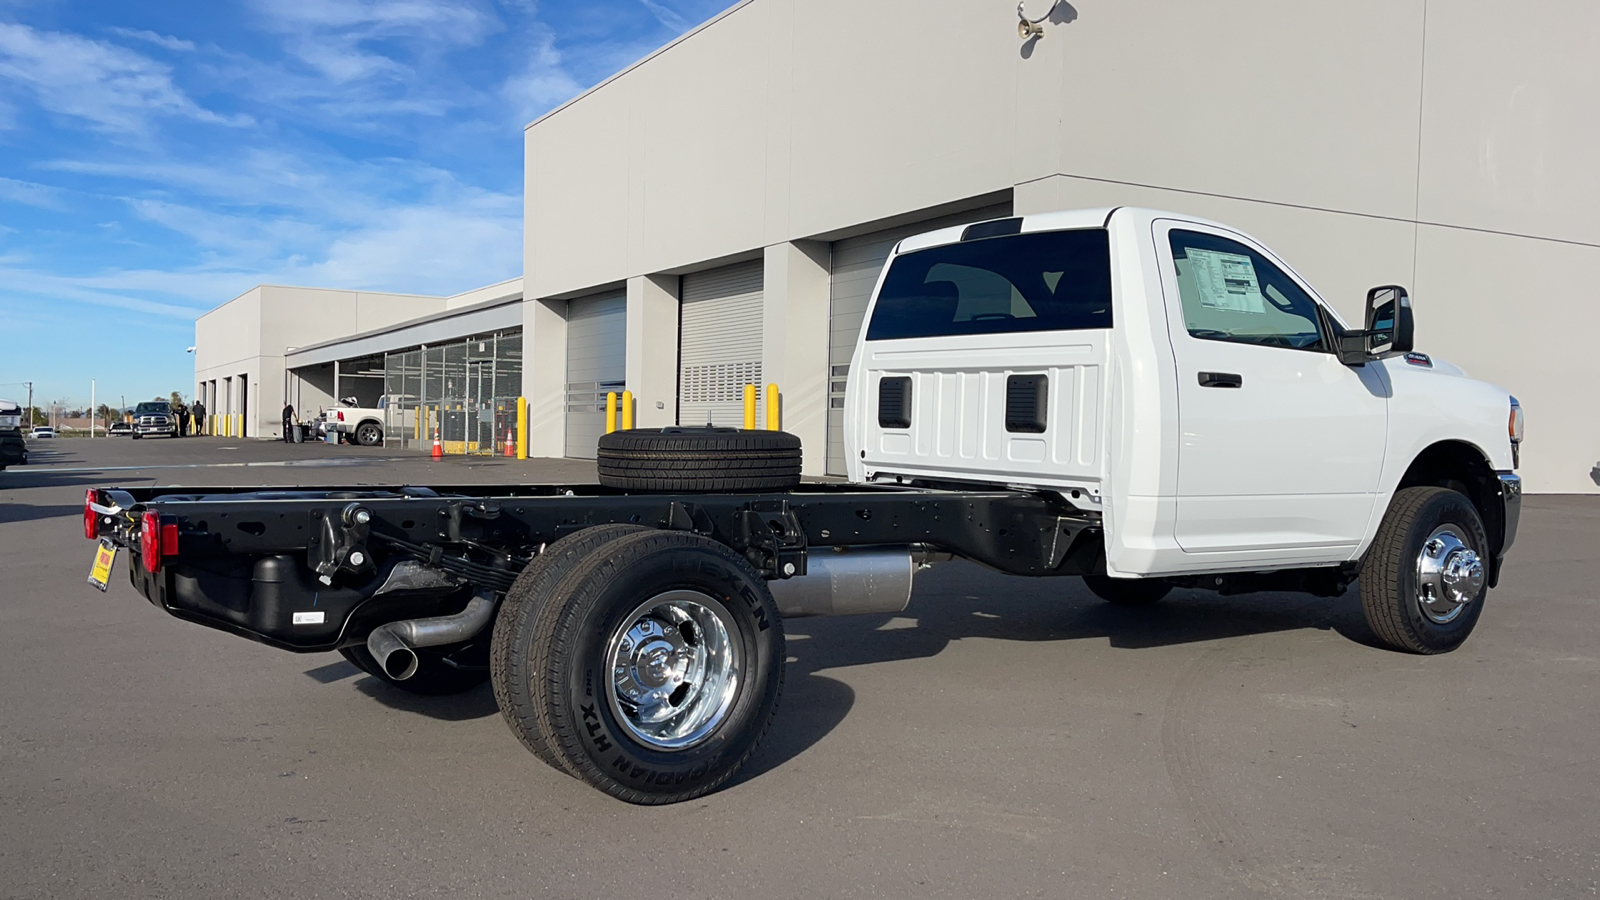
157 539
341 417
91 519
150 542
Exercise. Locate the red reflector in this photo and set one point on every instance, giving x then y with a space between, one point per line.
91 521
150 541
169 538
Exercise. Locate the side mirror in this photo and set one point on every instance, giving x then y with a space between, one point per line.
1389 322
1389 328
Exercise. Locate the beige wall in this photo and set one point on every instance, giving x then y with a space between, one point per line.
1446 146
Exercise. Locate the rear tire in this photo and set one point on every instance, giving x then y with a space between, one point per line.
1423 579
1127 591
434 677
369 435
672 460
508 657
654 667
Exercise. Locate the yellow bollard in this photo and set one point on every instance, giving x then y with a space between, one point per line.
611 411
238 425
522 428
749 407
772 408
627 410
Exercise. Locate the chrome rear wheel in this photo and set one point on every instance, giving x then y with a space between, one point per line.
674 669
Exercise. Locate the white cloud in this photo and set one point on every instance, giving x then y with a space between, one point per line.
543 83
30 193
113 88
665 15
160 40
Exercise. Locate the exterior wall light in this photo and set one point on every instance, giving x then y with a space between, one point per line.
1033 28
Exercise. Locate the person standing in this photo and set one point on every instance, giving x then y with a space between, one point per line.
199 418
288 423
183 420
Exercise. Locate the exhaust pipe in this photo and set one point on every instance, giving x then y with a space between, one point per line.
394 645
848 581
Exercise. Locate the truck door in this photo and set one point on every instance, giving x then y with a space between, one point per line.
1280 444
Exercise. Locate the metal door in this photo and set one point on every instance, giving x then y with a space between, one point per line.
596 364
719 346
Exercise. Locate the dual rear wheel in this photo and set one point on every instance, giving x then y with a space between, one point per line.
645 663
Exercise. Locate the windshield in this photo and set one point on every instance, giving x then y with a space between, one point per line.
1042 281
152 409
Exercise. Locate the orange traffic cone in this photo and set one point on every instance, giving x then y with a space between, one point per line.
438 448
511 444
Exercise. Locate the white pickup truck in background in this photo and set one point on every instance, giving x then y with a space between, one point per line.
361 425
1180 379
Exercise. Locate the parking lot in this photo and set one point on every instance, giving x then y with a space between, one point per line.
1003 737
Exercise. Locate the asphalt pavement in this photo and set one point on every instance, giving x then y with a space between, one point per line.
1003 737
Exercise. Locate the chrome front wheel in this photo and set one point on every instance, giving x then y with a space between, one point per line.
1450 575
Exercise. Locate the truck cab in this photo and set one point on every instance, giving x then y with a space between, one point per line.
1176 376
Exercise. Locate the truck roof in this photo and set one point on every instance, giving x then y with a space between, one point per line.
1062 220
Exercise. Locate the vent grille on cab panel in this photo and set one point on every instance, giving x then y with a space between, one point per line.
894 403
1025 403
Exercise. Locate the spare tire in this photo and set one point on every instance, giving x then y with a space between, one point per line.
699 459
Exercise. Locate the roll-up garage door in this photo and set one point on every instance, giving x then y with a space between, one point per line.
719 348
856 264
597 333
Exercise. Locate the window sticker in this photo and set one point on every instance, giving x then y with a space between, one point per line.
1226 281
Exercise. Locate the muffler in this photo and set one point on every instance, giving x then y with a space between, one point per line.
848 581
394 645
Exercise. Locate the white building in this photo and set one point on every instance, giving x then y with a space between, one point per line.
717 213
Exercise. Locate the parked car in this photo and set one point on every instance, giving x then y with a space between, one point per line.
41 433
122 429
13 449
154 417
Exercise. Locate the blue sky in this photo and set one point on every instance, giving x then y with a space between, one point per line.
159 158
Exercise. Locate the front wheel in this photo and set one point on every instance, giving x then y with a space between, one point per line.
369 435
1424 579
652 670
136 435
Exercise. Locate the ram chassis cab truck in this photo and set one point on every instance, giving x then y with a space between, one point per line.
1142 400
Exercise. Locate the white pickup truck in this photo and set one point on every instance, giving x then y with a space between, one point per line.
1138 399
358 424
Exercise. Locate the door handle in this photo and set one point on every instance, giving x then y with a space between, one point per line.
1221 380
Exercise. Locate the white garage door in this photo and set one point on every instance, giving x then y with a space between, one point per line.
856 264
719 348
597 332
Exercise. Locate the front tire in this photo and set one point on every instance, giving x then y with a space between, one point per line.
653 668
1423 581
369 435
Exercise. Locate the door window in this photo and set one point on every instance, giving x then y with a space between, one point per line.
1232 293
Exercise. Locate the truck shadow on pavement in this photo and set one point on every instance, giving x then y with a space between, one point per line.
965 601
